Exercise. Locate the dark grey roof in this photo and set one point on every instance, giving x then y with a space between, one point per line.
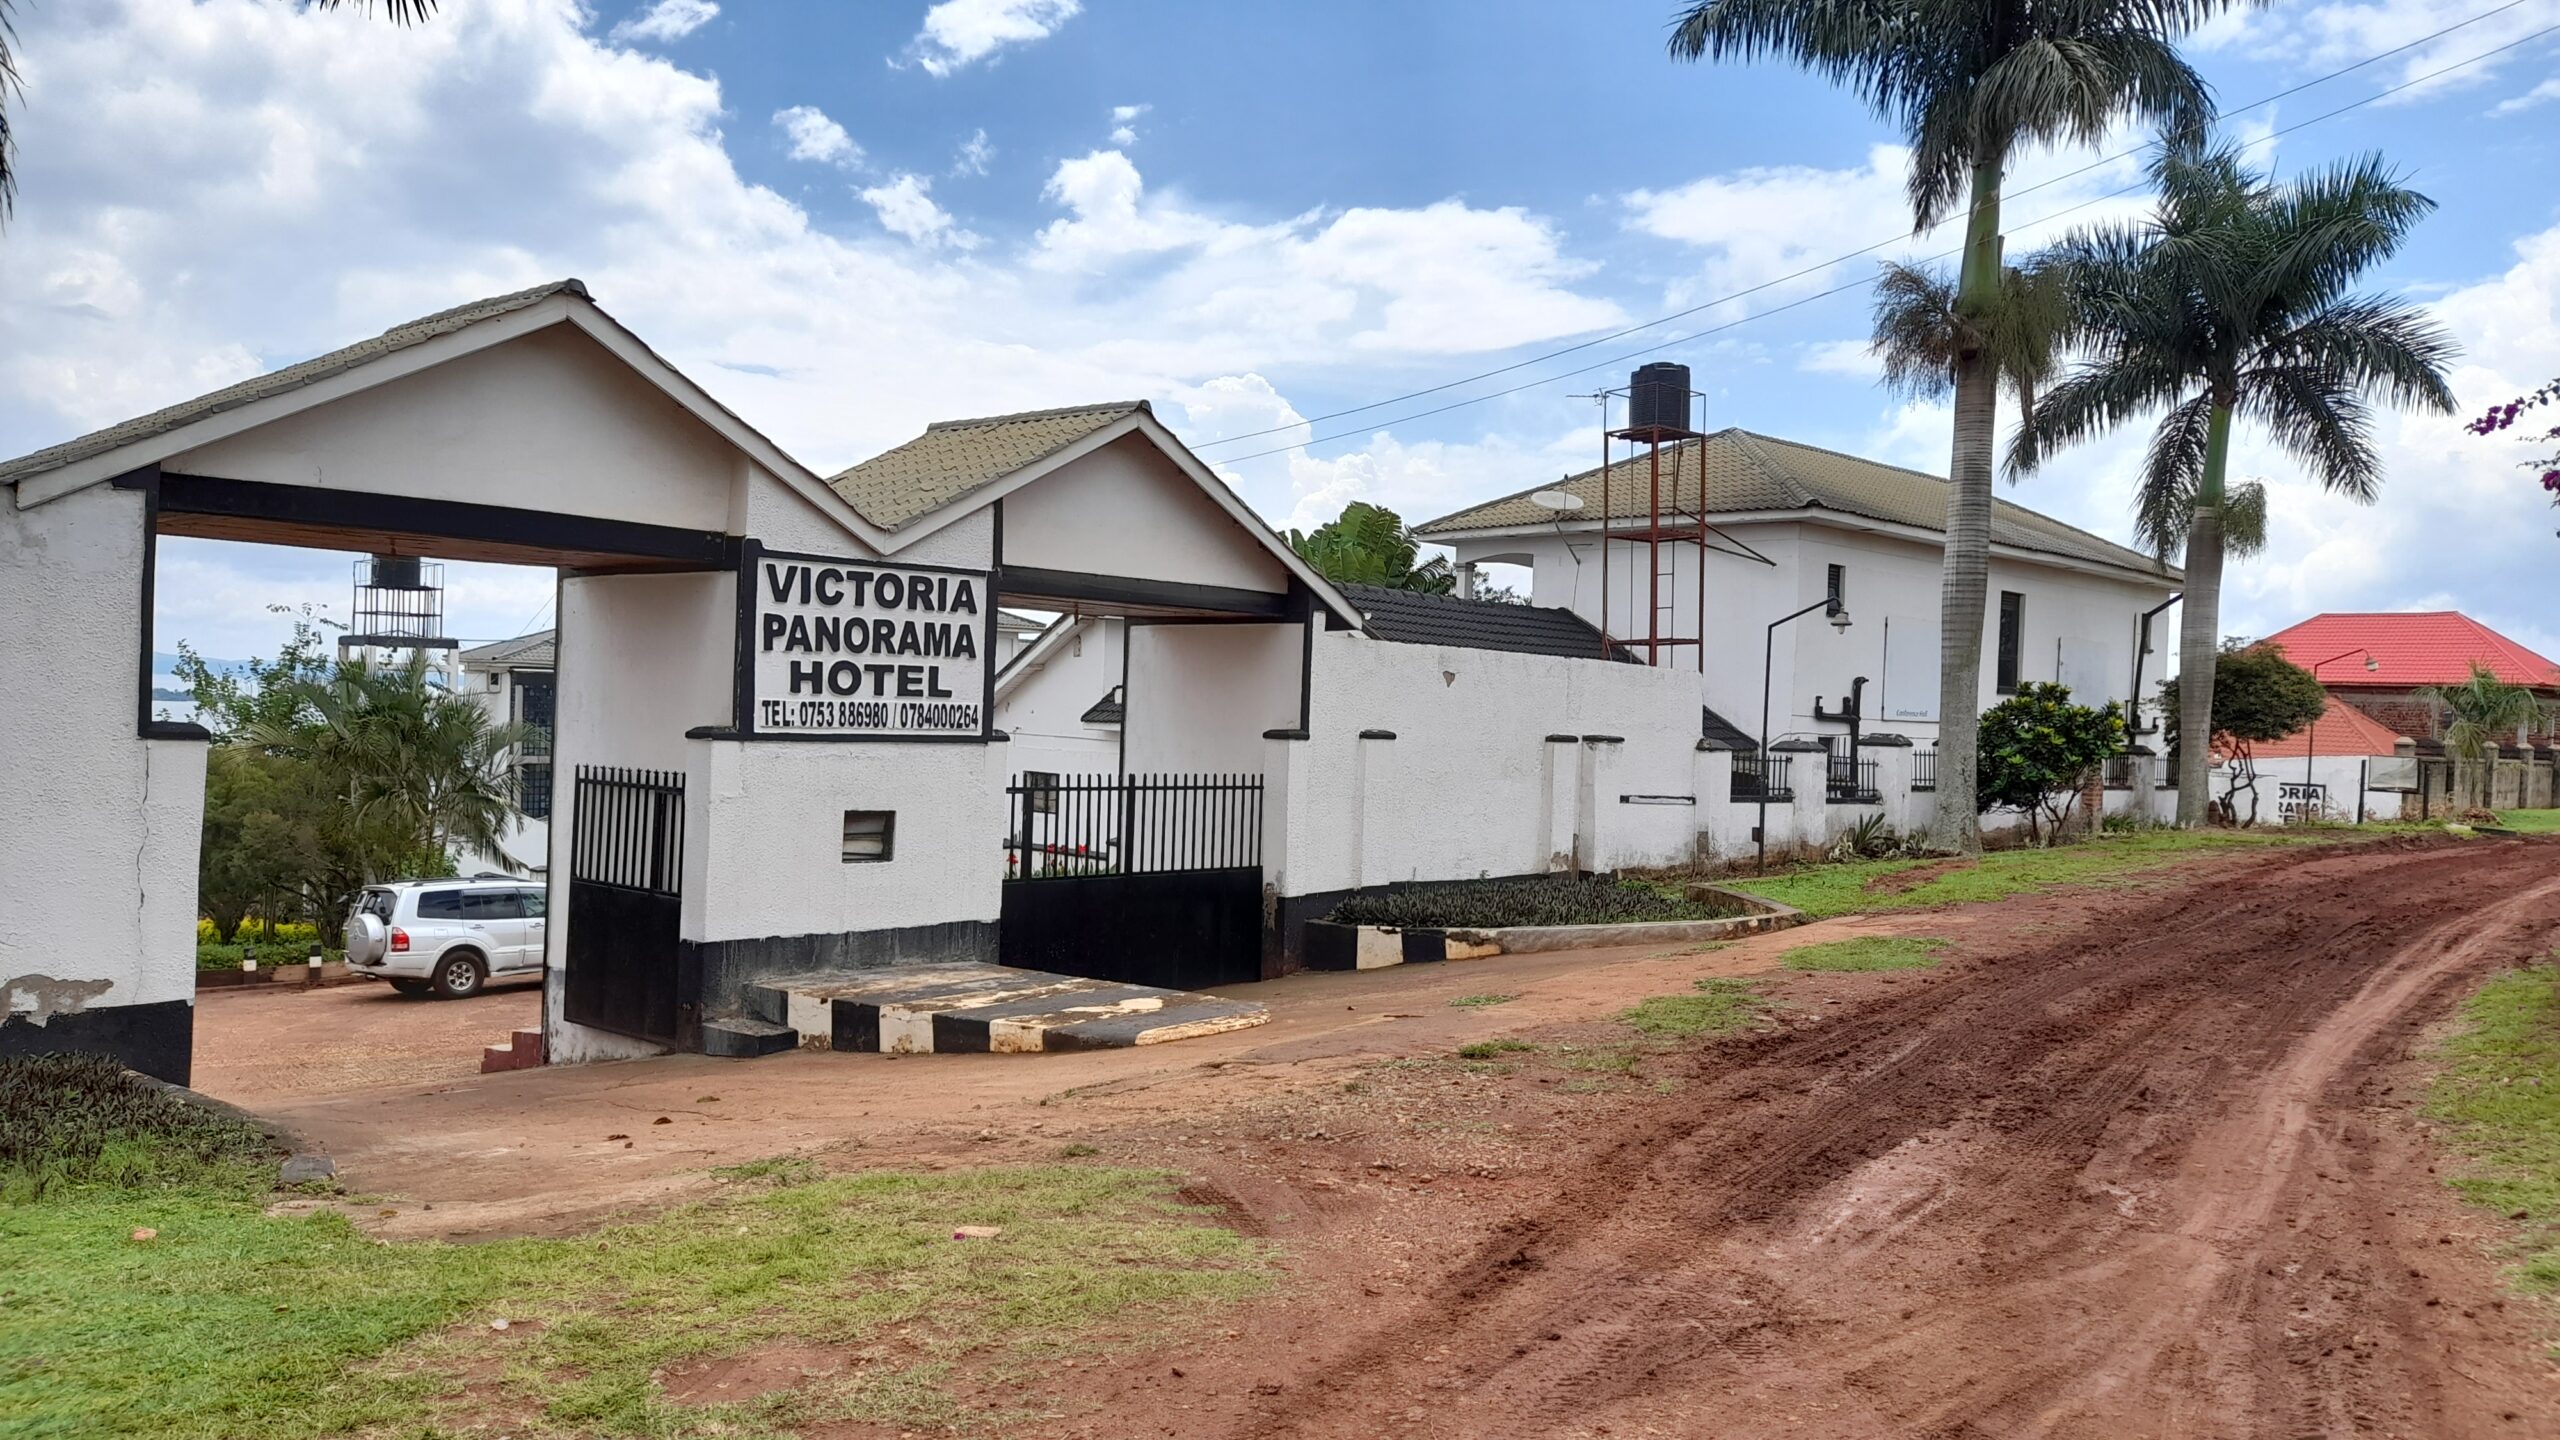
1106 711
1418 619
277 382
1712 726
536 651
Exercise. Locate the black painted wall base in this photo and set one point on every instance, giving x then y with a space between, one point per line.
158 1040
1284 938
727 969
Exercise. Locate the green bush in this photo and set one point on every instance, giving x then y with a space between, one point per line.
270 957
1542 900
85 1120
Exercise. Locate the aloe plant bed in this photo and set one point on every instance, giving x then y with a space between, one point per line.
1539 900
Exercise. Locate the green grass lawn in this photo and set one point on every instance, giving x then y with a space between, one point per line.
229 1322
1826 890
1870 952
2531 822
2498 1098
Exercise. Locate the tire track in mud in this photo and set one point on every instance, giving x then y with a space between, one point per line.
2063 1192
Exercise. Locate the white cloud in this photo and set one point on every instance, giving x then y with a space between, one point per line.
959 33
1124 127
976 154
906 207
2542 94
1855 359
667 20
817 138
2326 36
1758 226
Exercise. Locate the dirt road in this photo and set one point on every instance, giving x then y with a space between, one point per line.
2146 1178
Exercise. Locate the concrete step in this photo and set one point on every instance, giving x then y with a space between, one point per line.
523 1051
972 1008
742 1038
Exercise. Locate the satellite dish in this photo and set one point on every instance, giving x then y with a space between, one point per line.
1562 502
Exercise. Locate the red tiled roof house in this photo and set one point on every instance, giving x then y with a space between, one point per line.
2411 651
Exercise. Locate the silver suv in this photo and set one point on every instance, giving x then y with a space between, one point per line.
448 937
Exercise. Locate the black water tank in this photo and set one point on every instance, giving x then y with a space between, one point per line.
396 572
1658 397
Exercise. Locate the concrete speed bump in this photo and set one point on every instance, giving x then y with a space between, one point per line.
973 1008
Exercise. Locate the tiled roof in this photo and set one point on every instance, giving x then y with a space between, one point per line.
954 457
277 382
2342 729
2432 647
525 652
1712 726
1106 711
1742 471
1418 619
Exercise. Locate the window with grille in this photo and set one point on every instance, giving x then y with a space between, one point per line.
869 835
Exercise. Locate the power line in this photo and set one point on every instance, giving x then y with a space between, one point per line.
1820 266
1800 301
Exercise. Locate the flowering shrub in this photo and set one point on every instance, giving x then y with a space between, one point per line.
2502 418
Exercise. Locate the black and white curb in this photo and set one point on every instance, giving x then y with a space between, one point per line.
982 1009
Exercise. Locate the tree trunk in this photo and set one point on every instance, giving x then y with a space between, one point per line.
2200 628
1966 571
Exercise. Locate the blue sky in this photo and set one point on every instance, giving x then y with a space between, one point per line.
848 220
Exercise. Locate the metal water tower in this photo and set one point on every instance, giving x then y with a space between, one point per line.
399 605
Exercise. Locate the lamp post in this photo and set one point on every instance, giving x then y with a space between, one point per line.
1829 605
2311 732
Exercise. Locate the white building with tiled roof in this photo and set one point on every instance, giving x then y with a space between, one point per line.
1772 526
514 682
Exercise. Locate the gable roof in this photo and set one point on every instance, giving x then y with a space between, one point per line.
952 458
1413 618
2425 647
2342 729
399 351
525 652
1736 471
1106 711
278 382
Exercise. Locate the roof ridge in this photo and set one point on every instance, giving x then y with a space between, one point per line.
1696 443
1749 443
569 285
1055 412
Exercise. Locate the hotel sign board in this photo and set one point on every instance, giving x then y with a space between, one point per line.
852 650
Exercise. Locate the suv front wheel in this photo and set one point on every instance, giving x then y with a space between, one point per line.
459 974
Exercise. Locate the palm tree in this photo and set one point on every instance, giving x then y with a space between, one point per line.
400 12
1971 82
2232 301
1922 333
2486 713
405 753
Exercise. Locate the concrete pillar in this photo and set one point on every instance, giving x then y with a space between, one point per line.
1893 783
1711 781
1559 816
1812 810
1599 760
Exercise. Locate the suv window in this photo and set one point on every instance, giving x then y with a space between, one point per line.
535 902
379 904
492 905
439 904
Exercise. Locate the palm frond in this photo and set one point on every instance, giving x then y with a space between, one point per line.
2244 519
2172 472
2329 226
1916 332
2320 420
2374 343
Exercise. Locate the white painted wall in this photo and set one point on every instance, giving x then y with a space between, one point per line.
2080 626
1039 702
550 421
1127 510
98 827
2341 773
1471 785
643 658
1200 696
769 817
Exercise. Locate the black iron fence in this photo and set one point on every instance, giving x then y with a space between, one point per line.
2119 773
1061 826
1924 769
1850 780
1762 777
630 829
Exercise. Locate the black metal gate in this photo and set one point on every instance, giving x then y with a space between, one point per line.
1145 879
626 867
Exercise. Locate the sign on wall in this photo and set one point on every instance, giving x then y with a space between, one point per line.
2297 803
850 650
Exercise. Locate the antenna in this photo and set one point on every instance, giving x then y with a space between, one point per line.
1561 502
